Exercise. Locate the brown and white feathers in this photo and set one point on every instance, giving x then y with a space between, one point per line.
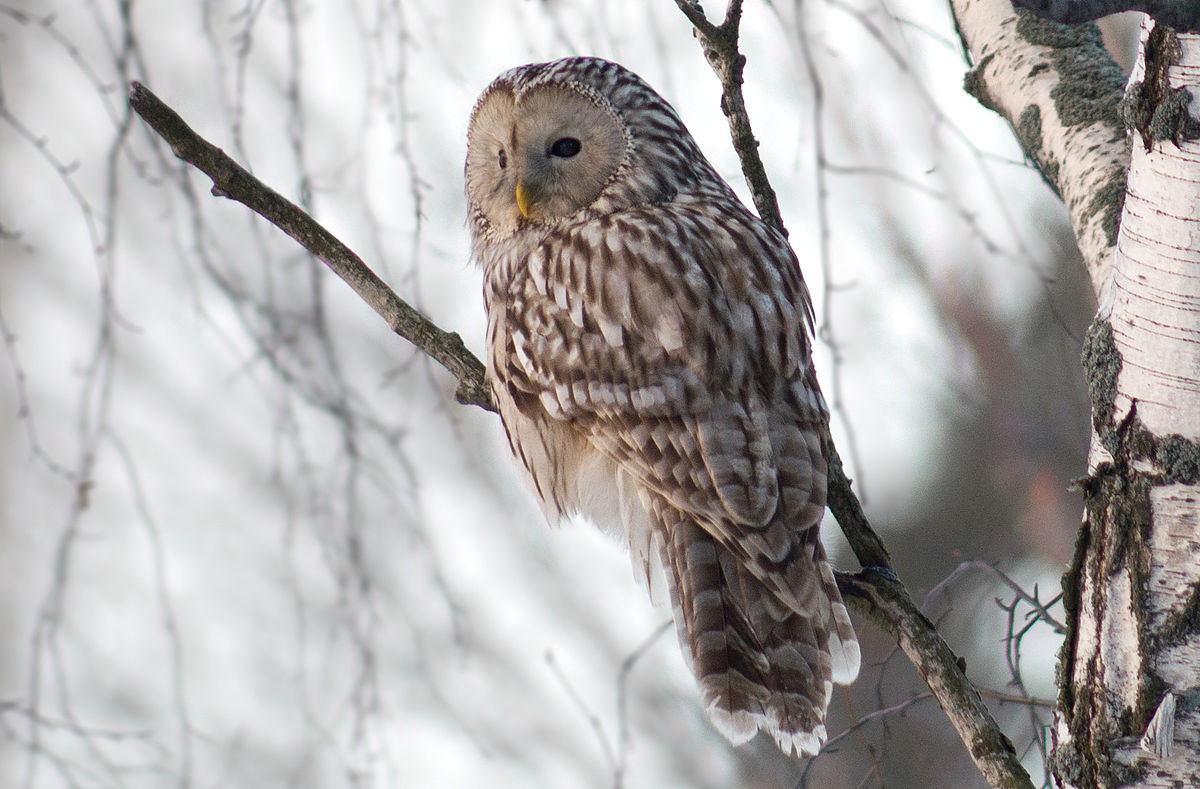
648 347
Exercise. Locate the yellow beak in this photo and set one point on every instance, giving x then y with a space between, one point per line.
524 199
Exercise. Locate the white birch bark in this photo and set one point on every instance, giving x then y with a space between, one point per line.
1153 300
1137 643
1129 704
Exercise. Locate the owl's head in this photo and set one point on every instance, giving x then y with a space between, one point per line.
547 141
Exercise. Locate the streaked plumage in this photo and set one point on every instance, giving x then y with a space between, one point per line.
648 347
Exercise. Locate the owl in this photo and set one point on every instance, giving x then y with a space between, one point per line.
648 348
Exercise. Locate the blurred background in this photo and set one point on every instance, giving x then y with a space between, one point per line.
247 537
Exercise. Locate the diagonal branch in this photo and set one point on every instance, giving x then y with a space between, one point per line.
881 596
720 45
888 604
233 181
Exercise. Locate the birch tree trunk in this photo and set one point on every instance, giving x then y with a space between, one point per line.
1131 661
1129 671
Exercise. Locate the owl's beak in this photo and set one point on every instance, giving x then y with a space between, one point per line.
524 198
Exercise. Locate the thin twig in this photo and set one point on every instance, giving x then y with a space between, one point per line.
1040 608
878 714
720 45
627 665
1008 698
593 720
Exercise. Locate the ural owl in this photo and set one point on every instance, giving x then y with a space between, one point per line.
648 348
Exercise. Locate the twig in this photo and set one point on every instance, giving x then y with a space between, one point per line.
720 45
627 665
1040 608
870 716
1009 698
593 720
233 181
883 712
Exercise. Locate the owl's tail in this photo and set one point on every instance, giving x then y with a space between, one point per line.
766 657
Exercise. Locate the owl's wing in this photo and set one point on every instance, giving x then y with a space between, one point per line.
676 338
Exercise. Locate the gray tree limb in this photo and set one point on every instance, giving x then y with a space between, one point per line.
233 181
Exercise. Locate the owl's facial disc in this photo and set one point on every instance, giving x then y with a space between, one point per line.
570 145
542 154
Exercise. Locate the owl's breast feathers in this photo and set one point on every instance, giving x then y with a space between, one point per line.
675 340
652 310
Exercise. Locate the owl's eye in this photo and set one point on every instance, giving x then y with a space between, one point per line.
565 147
503 159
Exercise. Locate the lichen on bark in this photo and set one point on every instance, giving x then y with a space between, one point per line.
1090 84
1109 199
1150 106
1102 367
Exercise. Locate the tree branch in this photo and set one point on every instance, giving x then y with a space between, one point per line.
1183 15
233 181
720 45
884 600
878 592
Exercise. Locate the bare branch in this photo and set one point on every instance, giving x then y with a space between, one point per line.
881 595
627 666
831 745
593 719
1008 698
720 45
1040 608
884 600
233 181
1183 15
